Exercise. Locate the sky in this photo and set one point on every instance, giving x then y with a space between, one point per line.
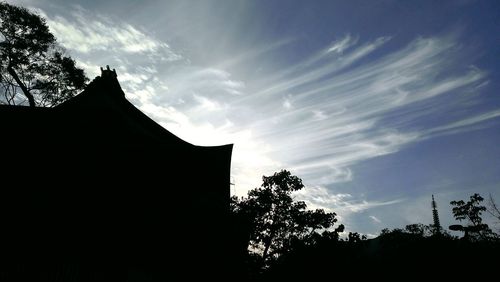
376 105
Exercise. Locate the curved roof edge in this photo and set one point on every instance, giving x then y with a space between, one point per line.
105 93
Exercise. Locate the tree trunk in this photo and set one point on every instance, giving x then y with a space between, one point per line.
268 244
28 95
271 237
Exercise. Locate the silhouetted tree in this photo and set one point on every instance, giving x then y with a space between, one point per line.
493 209
419 229
385 231
32 64
415 230
471 211
275 221
355 237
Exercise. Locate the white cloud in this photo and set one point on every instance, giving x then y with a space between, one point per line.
317 197
318 117
375 219
461 125
339 46
132 78
306 76
207 104
287 104
84 33
343 203
363 112
90 69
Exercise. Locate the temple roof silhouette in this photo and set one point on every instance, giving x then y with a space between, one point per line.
104 98
95 178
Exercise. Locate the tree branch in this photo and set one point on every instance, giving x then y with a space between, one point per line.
28 95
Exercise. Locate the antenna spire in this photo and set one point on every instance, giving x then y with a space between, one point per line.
435 217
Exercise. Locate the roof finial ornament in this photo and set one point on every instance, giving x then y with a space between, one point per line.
108 72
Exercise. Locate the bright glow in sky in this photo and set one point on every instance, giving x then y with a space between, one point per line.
376 105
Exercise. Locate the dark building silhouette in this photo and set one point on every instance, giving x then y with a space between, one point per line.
93 189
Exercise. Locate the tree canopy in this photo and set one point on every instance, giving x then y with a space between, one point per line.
471 212
275 221
33 67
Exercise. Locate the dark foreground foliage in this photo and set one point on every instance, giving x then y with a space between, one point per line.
393 256
416 252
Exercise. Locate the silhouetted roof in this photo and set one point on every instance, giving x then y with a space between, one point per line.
99 179
105 99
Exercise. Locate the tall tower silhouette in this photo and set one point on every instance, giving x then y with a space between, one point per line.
435 217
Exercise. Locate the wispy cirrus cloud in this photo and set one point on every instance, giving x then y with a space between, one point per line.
469 123
315 68
326 114
340 45
375 219
343 115
189 100
84 33
344 204
349 102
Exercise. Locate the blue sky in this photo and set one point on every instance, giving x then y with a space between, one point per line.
376 105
